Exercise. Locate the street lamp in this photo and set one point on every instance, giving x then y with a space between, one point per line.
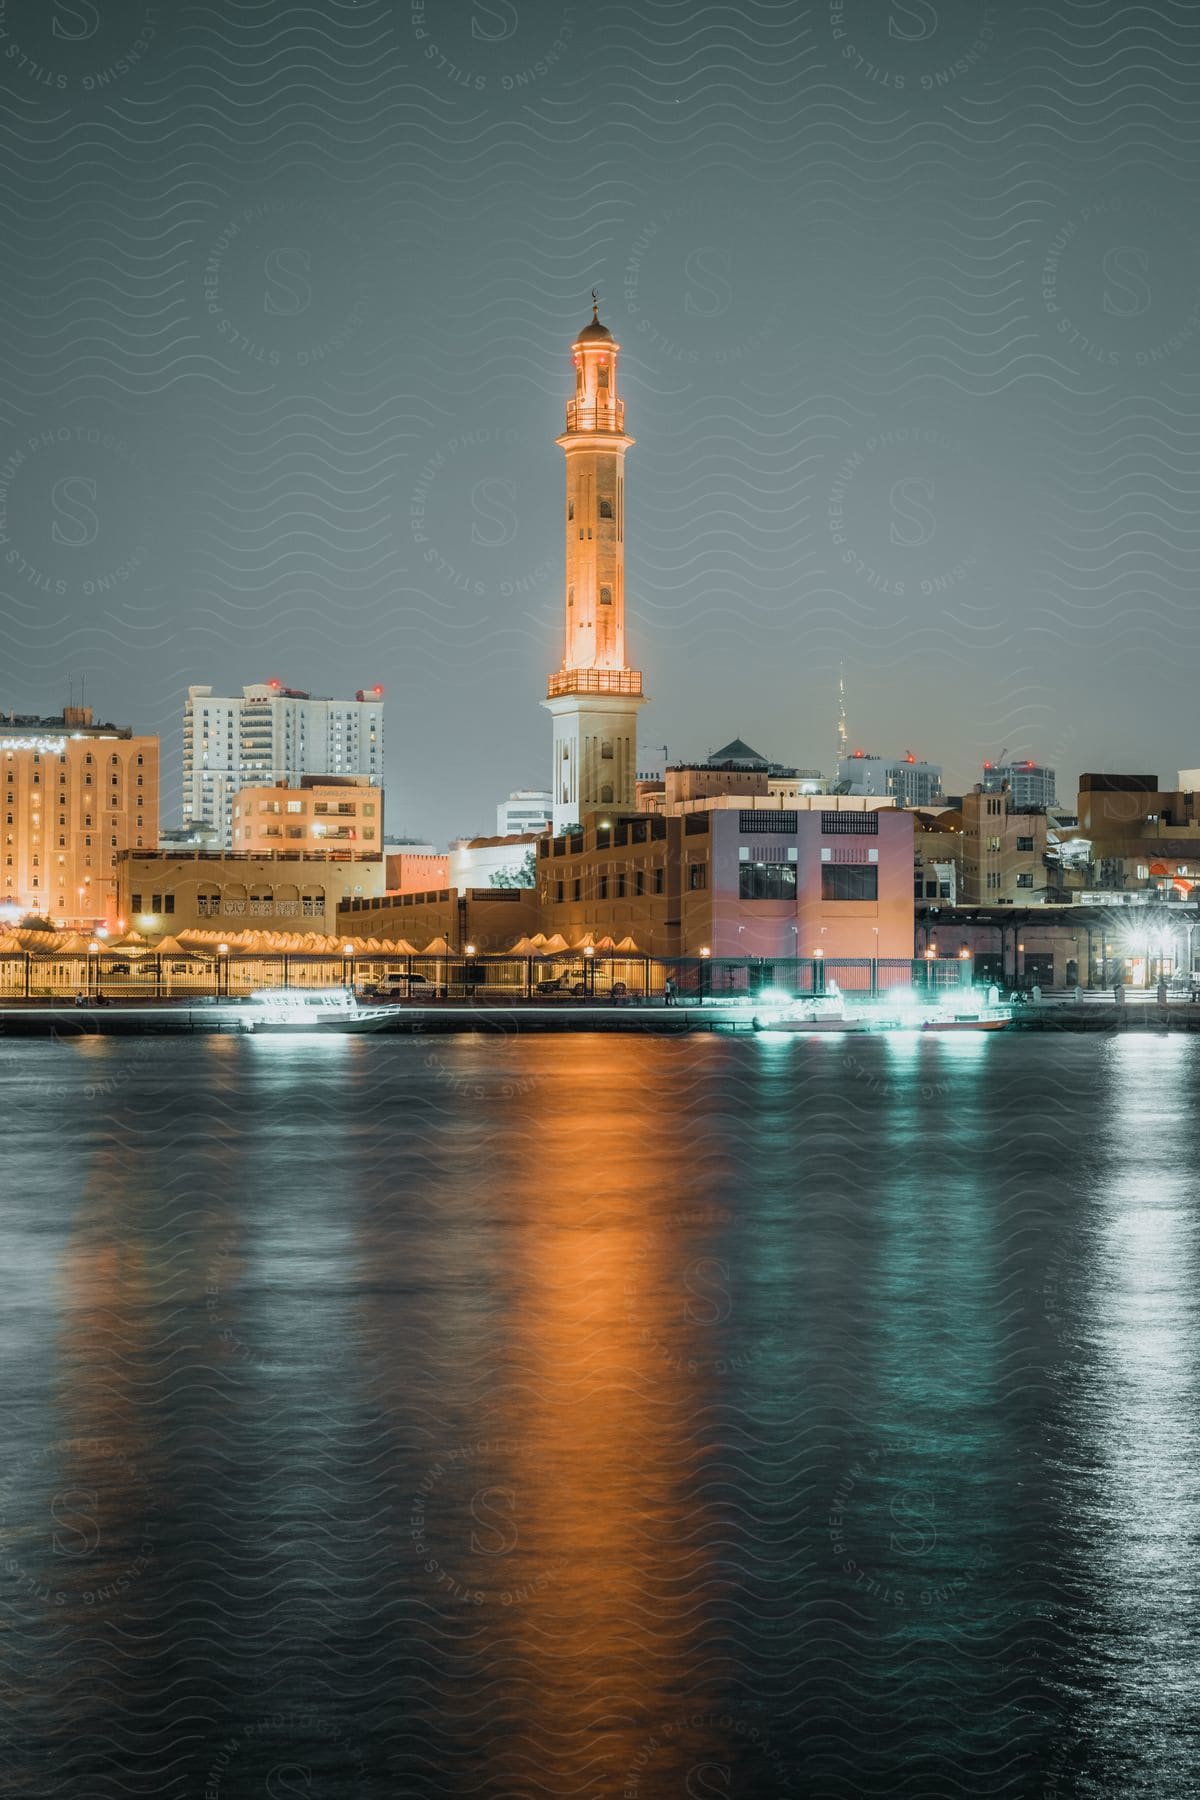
223 970
348 965
93 969
589 969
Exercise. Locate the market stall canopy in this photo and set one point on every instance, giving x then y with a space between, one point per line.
75 945
627 944
524 947
554 944
439 947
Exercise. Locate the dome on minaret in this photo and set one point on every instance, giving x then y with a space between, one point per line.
594 332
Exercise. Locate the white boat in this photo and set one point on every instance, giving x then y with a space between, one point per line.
813 1013
310 1009
828 1012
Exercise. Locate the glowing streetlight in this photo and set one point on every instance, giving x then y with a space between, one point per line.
469 949
706 951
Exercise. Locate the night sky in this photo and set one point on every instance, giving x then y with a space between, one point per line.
909 300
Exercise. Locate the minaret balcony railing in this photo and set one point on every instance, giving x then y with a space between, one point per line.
594 681
595 418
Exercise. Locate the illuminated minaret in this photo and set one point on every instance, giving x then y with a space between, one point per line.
594 697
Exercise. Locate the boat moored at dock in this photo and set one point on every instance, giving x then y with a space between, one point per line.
310 1009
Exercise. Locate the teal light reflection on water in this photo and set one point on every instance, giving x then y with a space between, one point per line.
1134 1411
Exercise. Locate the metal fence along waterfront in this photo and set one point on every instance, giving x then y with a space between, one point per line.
121 975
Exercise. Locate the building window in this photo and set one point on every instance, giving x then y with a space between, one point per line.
602 887
606 596
658 880
620 887
1024 843
639 882
606 509
602 376
863 824
570 596
767 881
570 509
576 888
849 881
135 901
698 876
1024 881
558 892
606 750
606 794
993 843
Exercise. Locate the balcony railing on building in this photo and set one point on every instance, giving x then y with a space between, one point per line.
595 418
594 681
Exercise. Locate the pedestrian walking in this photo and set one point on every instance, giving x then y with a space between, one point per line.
668 992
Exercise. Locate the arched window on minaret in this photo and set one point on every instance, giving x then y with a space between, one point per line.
606 509
570 509
606 596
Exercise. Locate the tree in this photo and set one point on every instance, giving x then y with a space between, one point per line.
524 875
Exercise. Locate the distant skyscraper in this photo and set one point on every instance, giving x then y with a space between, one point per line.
528 809
843 739
1029 784
594 697
268 734
909 782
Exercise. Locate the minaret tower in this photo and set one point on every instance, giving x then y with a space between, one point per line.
594 697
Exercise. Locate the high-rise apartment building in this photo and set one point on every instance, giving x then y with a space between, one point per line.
1029 784
270 734
908 781
76 794
527 809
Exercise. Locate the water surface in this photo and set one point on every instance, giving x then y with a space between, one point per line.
600 1416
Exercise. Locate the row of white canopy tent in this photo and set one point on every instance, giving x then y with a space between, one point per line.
557 945
200 942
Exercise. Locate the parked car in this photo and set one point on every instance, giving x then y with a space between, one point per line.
396 985
562 985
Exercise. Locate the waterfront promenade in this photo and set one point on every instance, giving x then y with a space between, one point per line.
125 1018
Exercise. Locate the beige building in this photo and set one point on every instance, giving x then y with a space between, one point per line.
1004 852
319 812
488 920
167 893
77 795
735 771
417 871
